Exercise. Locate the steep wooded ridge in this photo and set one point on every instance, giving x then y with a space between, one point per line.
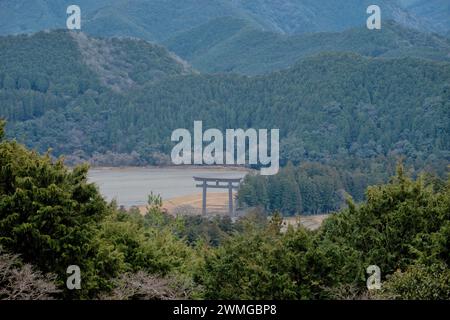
124 63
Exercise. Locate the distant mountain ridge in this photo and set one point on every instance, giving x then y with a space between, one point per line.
435 13
249 37
158 20
306 16
233 45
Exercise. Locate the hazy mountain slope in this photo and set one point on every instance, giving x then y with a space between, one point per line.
300 16
229 44
435 13
25 16
157 19
197 42
160 19
151 20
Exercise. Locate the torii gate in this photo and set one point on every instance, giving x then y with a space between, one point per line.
219 183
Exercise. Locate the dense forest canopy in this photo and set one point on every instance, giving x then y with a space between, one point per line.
329 105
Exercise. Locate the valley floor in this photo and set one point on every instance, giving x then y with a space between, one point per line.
217 204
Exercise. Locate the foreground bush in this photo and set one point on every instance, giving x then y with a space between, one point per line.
404 228
419 282
54 218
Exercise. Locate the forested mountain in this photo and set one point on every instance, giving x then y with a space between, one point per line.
160 19
65 60
233 45
249 37
325 105
117 101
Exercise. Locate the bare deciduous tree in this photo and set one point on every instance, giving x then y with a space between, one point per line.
349 292
186 210
21 282
143 286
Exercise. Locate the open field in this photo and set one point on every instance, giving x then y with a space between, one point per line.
311 222
217 203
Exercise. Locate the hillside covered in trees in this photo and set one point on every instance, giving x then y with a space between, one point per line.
327 106
117 101
51 217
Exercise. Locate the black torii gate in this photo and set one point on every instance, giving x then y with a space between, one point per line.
218 183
